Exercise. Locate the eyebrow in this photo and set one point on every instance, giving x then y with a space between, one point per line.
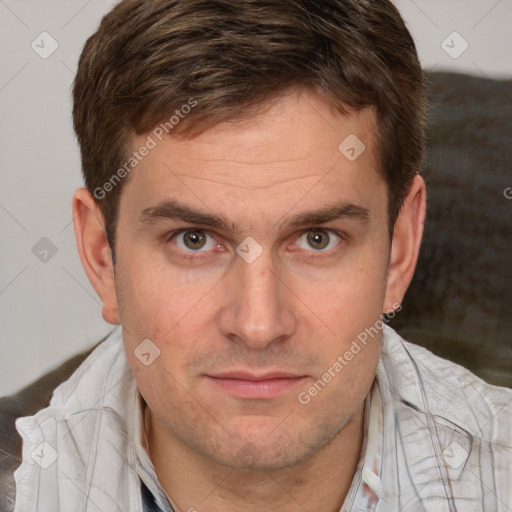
173 210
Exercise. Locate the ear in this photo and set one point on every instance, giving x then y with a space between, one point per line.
95 252
406 243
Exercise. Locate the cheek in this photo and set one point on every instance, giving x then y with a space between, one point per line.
349 304
344 383
165 391
165 323
346 299
156 299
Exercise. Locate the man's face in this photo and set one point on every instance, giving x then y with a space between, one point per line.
242 335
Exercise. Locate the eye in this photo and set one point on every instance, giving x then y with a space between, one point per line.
318 240
193 240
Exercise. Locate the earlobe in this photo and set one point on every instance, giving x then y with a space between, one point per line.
406 243
94 251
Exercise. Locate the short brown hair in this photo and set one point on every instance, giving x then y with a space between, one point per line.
150 57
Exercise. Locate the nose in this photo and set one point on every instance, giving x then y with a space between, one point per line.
258 309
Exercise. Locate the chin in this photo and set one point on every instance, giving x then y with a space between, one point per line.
270 451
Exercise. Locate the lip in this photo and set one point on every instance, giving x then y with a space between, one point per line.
241 384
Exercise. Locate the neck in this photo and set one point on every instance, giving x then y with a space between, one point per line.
319 484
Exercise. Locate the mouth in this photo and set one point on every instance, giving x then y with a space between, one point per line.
253 386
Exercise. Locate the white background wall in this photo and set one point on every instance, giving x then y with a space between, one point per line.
48 310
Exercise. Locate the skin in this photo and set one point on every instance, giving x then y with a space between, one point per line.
294 309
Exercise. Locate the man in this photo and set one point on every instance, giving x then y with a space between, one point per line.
253 206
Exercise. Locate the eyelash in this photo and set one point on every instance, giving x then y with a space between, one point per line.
195 255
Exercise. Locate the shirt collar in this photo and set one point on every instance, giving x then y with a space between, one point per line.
144 465
366 488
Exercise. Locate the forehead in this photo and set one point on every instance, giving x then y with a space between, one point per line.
294 145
